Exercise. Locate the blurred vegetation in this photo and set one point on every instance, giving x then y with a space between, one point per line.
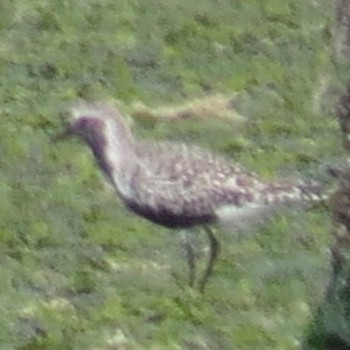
77 270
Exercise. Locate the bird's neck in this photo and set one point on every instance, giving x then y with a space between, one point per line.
114 150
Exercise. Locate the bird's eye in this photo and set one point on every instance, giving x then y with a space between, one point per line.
84 122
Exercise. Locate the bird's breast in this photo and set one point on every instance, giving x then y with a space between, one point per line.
167 217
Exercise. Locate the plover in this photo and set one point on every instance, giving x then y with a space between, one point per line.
177 185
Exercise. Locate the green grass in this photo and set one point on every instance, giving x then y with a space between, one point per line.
79 272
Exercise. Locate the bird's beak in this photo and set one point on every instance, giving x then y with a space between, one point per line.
65 134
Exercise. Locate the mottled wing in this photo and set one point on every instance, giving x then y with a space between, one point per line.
188 182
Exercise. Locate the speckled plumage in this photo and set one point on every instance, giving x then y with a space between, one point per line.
177 185
192 186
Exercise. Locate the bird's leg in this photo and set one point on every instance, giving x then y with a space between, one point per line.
214 251
191 257
191 260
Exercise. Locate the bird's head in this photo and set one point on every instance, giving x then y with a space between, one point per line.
101 126
86 121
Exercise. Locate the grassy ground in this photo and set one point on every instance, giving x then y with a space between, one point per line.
79 272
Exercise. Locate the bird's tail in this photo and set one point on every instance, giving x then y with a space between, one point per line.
293 193
274 196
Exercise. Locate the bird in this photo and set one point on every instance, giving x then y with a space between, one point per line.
179 185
